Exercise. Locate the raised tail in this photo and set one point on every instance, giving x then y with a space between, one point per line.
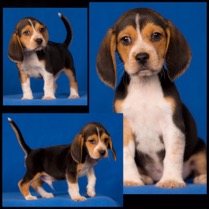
19 136
68 39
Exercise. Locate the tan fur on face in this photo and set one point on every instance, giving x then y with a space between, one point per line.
99 144
141 42
29 41
124 51
160 46
90 146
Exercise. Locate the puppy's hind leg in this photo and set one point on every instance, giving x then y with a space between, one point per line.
199 164
37 186
24 185
70 73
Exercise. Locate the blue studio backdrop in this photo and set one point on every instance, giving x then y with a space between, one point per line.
190 19
57 33
44 130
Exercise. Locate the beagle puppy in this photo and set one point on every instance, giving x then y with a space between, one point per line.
37 57
161 144
64 162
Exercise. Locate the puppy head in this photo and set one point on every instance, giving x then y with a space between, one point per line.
145 42
29 35
93 140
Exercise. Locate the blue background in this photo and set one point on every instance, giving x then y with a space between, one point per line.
44 130
57 33
190 19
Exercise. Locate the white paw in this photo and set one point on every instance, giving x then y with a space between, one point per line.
30 197
49 97
170 183
73 96
79 198
201 179
27 97
132 183
48 195
91 192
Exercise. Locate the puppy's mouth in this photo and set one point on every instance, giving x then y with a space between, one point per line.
38 48
144 72
145 68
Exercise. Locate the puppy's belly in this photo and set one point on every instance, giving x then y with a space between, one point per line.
32 67
148 132
149 156
149 117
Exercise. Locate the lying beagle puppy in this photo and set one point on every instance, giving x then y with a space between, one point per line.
160 135
37 57
65 162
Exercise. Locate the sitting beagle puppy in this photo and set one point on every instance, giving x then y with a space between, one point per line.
65 162
161 144
37 57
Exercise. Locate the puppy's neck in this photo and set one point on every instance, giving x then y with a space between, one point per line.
144 81
28 53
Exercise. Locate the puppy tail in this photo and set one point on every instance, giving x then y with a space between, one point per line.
68 39
19 136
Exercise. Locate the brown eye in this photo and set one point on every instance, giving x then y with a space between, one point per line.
106 140
26 33
92 141
126 40
156 36
42 30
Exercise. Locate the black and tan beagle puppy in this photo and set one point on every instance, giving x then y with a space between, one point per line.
160 135
37 57
65 162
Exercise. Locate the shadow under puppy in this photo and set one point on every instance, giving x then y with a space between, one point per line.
37 57
65 162
160 135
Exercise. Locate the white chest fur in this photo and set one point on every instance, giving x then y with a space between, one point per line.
32 66
89 163
148 113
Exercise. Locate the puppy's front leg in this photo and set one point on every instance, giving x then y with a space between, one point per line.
49 86
91 183
173 161
25 84
73 190
131 176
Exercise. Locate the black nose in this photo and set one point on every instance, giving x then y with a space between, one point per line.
39 41
142 58
102 152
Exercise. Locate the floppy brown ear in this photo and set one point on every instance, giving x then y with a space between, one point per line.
110 146
106 64
15 49
77 148
178 54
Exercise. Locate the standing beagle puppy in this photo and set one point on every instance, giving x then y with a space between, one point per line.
65 162
37 57
160 135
